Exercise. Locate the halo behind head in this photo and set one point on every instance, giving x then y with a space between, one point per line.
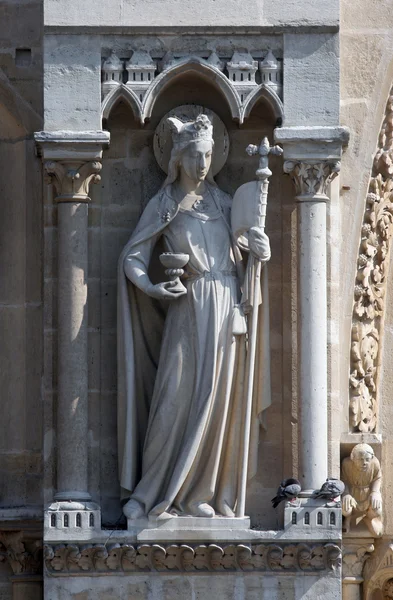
187 123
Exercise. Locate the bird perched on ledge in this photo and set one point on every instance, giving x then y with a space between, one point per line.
330 490
289 489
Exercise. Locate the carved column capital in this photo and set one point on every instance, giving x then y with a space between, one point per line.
72 179
72 160
354 558
23 555
312 178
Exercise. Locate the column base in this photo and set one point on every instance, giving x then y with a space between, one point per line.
71 520
314 517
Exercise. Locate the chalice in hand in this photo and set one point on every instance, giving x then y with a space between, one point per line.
174 263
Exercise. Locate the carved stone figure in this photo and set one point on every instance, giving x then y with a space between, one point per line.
182 344
361 473
370 285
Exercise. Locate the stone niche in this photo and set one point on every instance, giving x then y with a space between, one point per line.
130 177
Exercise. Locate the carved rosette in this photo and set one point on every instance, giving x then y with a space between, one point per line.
72 179
73 558
370 284
23 555
312 178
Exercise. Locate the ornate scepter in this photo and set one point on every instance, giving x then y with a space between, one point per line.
253 276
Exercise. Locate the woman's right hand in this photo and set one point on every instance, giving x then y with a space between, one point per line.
166 290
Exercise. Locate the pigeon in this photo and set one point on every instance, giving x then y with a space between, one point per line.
287 490
331 489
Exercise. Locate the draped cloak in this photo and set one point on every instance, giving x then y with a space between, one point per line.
141 322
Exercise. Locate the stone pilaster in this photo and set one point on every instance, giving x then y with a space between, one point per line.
72 162
312 160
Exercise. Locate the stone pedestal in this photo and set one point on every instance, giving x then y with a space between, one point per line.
182 529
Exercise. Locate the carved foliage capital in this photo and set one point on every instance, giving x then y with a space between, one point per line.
98 558
354 558
72 179
23 555
312 178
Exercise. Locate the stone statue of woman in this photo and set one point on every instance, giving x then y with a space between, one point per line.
182 348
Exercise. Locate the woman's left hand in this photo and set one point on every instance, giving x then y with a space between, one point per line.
259 244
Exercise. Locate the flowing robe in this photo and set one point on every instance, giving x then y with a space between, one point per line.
181 375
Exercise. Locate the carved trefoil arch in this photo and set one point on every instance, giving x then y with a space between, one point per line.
370 284
240 93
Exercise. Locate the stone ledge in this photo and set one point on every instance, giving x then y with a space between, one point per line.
71 145
312 143
104 559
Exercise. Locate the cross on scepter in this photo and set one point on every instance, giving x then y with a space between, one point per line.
264 149
254 278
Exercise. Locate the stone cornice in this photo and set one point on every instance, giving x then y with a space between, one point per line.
66 559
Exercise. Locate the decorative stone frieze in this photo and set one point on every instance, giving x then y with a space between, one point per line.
23 555
235 79
370 284
312 178
72 180
103 559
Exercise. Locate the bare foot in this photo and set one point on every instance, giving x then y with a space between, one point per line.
133 509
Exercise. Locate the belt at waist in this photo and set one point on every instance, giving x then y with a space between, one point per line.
210 275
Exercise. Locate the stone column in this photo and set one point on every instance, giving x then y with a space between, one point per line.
71 181
312 161
311 180
72 161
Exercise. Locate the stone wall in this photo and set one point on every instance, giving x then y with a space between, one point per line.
21 424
